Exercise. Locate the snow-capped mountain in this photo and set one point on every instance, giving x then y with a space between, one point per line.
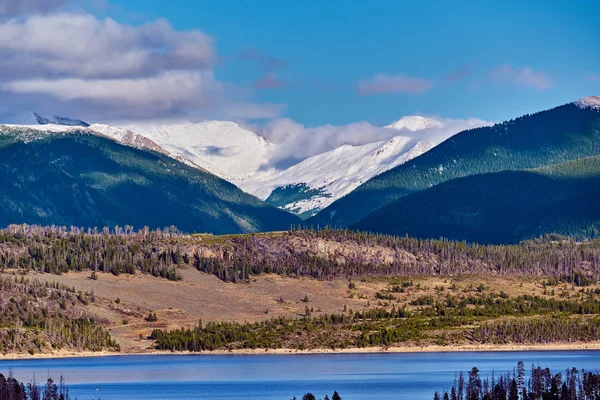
126 136
33 118
318 181
242 157
221 147
589 102
237 155
415 123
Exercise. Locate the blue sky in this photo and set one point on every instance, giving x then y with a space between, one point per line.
313 62
491 60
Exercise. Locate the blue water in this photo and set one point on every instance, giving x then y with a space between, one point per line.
279 377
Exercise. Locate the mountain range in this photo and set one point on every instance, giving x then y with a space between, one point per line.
565 133
73 176
501 207
241 156
515 180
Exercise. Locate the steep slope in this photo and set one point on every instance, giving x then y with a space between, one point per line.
318 181
221 147
33 118
500 207
240 155
315 183
78 178
549 137
127 137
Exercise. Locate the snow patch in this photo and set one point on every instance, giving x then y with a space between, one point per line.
592 102
415 123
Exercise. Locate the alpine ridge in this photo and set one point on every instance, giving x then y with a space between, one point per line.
77 177
564 133
241 156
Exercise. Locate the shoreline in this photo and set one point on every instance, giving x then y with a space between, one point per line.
590 346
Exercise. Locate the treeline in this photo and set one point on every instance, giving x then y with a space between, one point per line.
487 319
330 253
120 250
12 389
321 254
540 384
37 316
539 331
310 396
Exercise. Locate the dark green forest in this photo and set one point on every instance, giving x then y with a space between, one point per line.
85 180
549 137
12 389
525 384
501 207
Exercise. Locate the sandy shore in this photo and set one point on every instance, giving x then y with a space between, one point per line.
364 350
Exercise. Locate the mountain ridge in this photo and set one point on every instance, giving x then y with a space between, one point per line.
548 137
80 178
500 207
241 156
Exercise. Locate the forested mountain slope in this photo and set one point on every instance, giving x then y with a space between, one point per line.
501 207
549 137
78 178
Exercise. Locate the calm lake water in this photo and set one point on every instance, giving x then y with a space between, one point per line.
279 377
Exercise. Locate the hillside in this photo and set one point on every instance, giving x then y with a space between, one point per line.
549 137
297 290
78 178
501 207
243 158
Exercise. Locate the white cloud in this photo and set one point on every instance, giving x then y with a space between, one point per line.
295 142
83 46
381 84
524 76
158 92
106 70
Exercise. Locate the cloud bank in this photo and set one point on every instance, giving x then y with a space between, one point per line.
101 67
295 142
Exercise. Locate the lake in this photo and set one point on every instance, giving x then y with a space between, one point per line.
269 377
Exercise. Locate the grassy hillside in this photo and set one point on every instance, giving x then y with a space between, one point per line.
85 180
502 207
371 290
549 137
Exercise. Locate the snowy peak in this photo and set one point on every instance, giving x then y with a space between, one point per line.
126 136
592 102
33 118
221 147
415 123
316 182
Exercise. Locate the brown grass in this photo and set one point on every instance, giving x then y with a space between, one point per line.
202 296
